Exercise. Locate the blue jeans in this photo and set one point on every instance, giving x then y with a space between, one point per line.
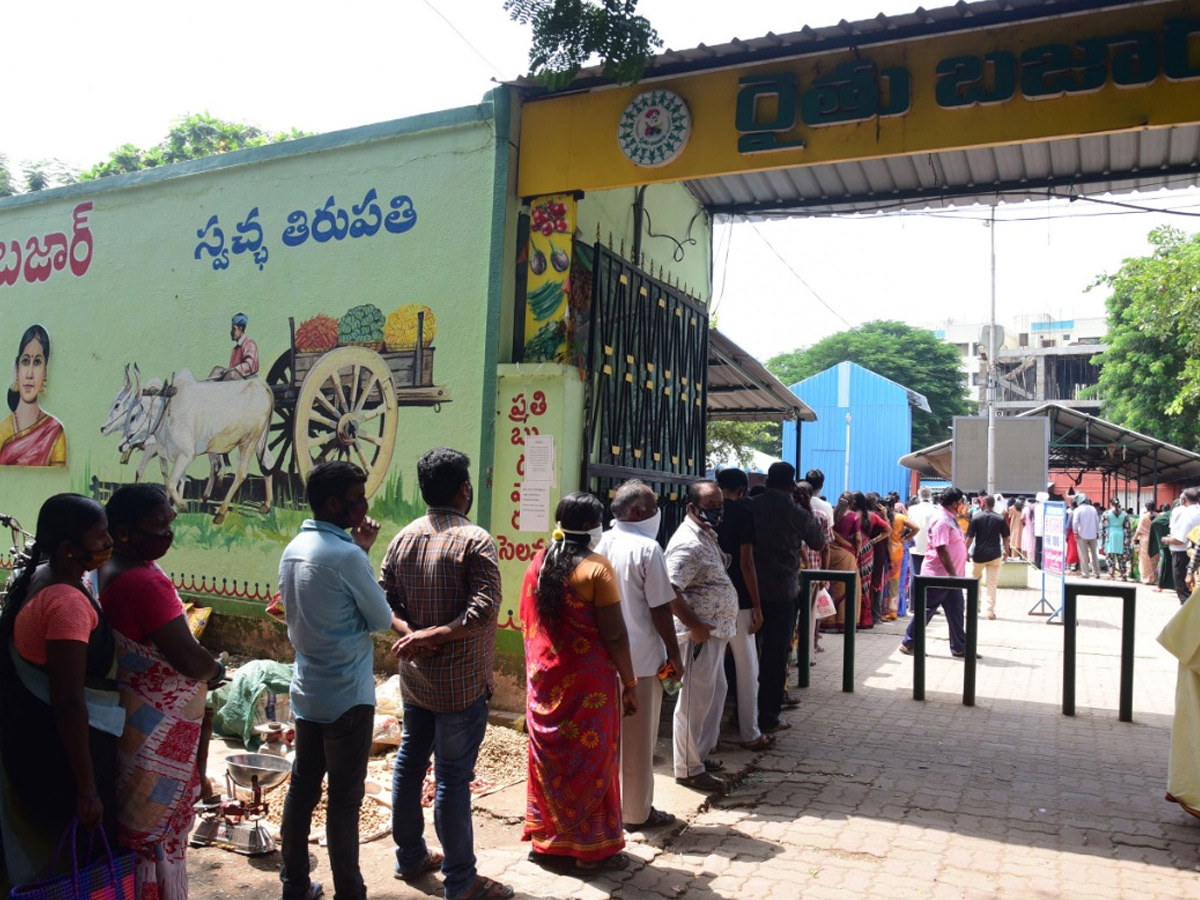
453 739
340 748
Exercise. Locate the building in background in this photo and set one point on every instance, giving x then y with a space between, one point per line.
878 431
1040 360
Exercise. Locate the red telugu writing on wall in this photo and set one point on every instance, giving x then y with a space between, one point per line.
522 411
38 258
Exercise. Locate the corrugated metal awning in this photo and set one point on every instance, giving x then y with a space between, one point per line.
740 389
1085 443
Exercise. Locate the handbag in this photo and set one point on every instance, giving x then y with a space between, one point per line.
825 606
111 877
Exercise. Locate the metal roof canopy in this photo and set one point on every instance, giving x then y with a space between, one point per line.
1143 160
1086 443
740 389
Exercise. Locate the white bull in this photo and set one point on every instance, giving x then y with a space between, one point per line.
136 412
216 417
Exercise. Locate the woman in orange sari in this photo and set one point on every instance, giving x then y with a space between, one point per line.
843 557
579 677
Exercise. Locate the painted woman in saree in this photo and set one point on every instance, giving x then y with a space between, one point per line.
30 436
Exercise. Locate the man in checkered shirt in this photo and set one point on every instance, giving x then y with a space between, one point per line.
443 582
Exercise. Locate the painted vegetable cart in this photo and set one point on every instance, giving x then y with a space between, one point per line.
339 389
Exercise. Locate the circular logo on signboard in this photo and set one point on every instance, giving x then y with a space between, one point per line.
654 128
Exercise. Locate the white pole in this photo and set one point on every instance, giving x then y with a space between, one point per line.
846 485
993 382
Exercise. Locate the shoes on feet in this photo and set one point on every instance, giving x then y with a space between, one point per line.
705 781
963 654
906 649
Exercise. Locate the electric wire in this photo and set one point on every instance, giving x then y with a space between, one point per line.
797 275
463 37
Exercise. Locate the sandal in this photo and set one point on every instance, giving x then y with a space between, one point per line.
781 725
713 765
431 863
613 863
657 819
762 742
486 888
553 862
314 890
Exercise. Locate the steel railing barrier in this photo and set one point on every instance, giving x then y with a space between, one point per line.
804 645
1072 591
921 584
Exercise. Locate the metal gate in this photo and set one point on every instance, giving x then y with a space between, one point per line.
647 364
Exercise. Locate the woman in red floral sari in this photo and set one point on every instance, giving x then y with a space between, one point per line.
162 673
579 677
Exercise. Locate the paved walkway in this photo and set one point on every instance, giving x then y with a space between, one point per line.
873 795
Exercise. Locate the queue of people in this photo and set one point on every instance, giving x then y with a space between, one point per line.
612 621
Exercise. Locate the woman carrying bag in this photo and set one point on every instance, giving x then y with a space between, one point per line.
59 709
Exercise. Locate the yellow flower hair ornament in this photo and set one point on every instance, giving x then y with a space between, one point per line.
557 534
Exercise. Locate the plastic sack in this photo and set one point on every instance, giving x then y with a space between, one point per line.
388 701
257 694
825 606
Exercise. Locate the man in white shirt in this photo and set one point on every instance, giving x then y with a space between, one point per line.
816 478
1184 518
1085 522
646 595
919 516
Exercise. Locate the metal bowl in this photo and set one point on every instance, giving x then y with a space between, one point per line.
270 770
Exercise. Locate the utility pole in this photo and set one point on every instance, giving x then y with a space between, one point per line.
993 383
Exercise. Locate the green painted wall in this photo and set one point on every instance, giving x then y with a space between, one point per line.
672 211
151 295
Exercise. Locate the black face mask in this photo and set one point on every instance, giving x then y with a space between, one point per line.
711 516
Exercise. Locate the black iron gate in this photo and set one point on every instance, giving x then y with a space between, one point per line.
647 363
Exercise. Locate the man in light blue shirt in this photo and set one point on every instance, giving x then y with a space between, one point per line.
1085 522
333 603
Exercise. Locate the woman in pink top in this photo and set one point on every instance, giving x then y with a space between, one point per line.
59 710
843 557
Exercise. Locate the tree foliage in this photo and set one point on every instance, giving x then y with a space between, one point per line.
910 356
1150 375
736 441
194 137
568 33
34 176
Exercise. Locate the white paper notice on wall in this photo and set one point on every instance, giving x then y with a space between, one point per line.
535 507
539 459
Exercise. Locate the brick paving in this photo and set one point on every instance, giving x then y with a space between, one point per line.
874 795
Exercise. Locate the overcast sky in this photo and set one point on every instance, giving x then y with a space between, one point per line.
84 80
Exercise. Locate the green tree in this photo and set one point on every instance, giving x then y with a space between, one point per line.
1150 375
735 441
913 357
7 188
194 137
568 33
48 173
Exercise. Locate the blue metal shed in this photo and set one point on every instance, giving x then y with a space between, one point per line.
880 429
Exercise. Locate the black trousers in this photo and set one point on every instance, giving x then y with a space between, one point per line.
779 624
1179 566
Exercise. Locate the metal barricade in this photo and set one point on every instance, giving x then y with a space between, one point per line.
921 584
1072 591
804 646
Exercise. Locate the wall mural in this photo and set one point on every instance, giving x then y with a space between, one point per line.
30 436
334 394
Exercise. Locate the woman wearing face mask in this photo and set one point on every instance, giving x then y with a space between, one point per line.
163 672
59 710
580 678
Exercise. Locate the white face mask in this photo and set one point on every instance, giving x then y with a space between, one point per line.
594 536
646 527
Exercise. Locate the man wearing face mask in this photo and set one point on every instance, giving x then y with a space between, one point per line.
783 528
442 579
332 603
706 614
646 597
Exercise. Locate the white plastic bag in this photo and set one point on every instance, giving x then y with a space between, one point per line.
825 606
387 698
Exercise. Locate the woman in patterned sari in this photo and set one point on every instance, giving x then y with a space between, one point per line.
162 674
843 557
579 677
871 530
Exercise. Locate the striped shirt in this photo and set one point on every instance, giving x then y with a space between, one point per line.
439 569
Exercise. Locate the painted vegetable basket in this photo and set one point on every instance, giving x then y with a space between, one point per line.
343 403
